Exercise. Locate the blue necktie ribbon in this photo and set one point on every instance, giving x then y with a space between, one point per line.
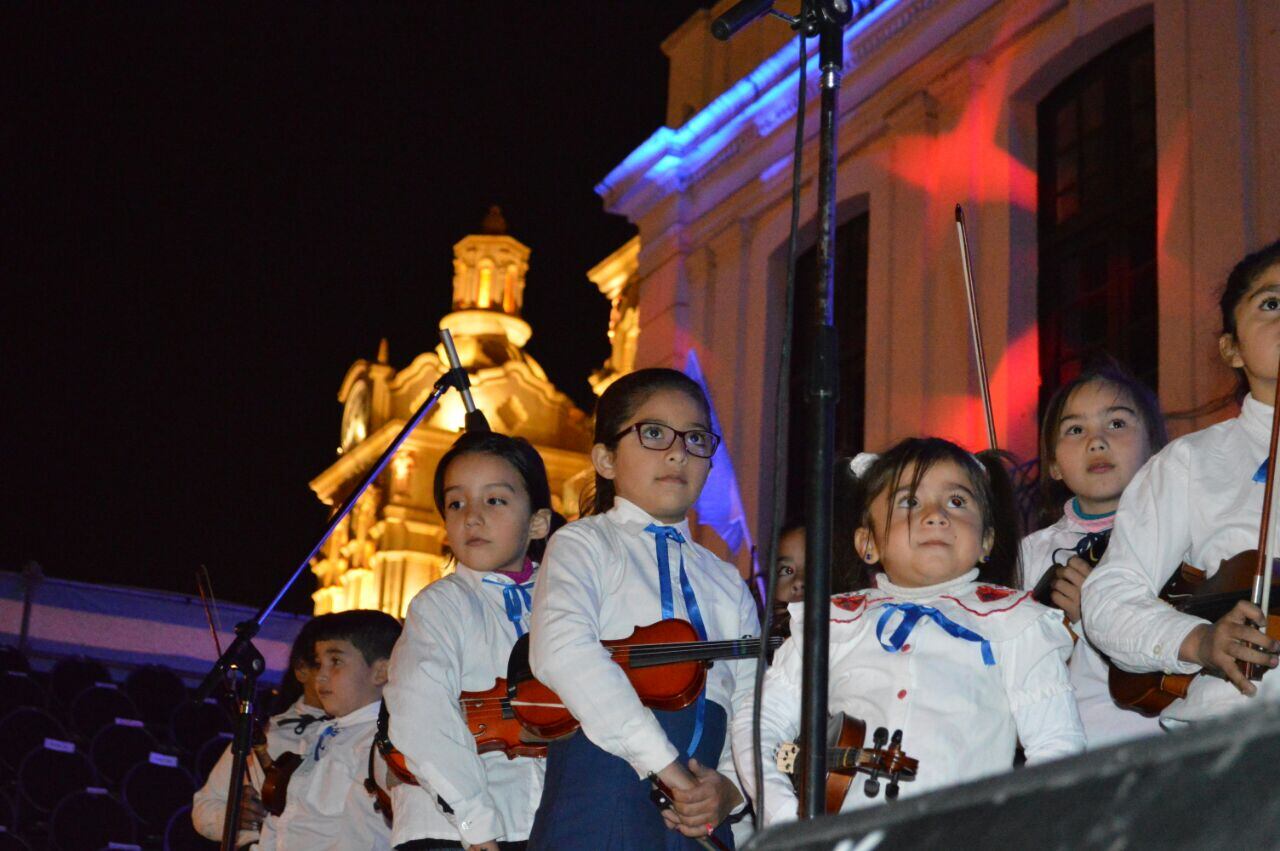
912 613
663 535
327 733
516 597
1261 476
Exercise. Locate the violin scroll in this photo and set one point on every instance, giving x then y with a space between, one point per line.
885 759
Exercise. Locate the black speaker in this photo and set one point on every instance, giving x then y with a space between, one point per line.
1213 785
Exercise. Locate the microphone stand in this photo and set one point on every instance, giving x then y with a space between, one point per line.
242 663
824 378
827 20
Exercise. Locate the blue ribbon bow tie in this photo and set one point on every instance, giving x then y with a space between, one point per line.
662 536
325 734
912 614
516 597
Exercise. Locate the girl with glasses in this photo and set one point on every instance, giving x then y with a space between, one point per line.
630 563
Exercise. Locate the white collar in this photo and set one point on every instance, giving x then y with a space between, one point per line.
634 519
883 583
368 712
475 578
1255 418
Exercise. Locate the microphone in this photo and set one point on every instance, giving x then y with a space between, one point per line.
738 16
475 420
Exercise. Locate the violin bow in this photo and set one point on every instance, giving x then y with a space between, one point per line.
975 328
205 587
1262 577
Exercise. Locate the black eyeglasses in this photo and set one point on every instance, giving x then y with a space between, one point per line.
658 437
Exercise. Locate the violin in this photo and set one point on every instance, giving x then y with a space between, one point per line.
276 773
275 781
492 723
1043 592
665 662
847 756
1189 591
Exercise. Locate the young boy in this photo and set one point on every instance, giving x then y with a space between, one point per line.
291 731
328 806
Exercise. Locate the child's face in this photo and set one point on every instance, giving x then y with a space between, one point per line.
487 514
666 482
305 673
790 585
1101 444
1255 346
345 682
933 537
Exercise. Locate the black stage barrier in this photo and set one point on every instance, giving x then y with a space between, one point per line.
1216 785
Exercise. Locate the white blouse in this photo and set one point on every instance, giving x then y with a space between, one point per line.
600 581
962 703
457 637
1105 723
1196 501
209 806
328 808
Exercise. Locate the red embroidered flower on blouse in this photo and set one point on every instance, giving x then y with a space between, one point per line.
849 602
991 593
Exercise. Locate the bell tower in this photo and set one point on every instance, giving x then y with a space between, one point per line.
488 283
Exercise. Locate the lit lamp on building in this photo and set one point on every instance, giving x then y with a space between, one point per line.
394 542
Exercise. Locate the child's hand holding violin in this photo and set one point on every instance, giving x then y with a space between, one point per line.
702 798
252 811
1217 647
1066 588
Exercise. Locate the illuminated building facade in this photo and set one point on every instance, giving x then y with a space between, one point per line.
1114 159
393 542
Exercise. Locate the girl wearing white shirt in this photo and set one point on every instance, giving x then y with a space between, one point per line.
1198 501
492 491
290 731
631 563
938 647
1098 429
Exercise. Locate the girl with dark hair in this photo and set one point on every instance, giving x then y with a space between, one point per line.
1198 501
630 564
789 587
293 729
1098 430
493 495
938 646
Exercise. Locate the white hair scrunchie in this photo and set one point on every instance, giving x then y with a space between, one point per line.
860 463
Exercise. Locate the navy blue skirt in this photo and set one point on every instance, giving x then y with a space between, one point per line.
593 801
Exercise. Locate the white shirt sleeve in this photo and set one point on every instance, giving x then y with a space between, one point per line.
779 722
209 805
427 724
1123 615
566 655
744 680
1034 667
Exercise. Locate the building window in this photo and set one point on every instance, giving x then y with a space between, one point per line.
851 327
1097 217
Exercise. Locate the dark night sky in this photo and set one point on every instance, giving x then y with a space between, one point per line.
208 212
